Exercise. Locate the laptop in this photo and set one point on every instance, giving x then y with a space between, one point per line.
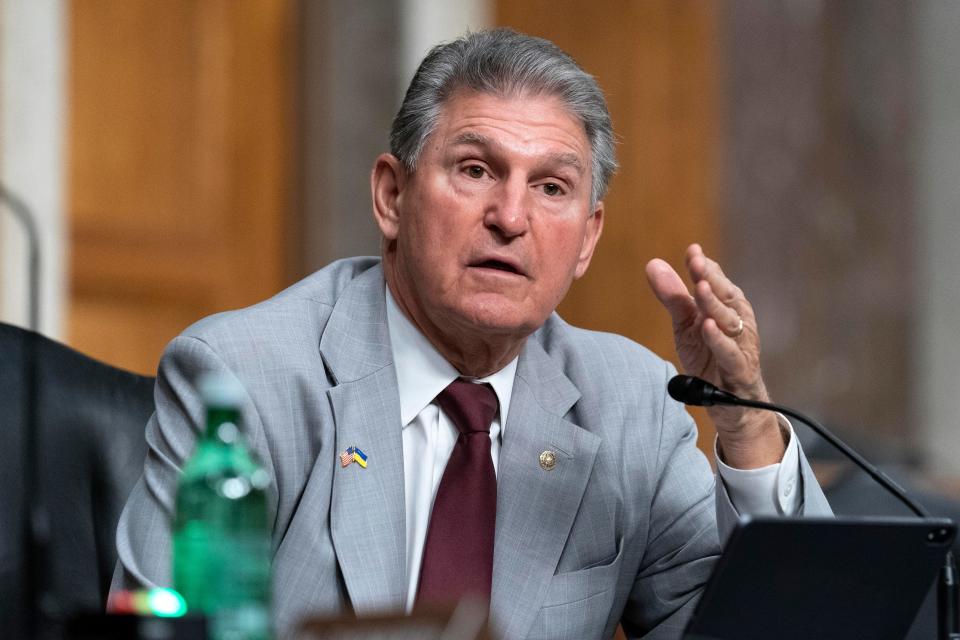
821 578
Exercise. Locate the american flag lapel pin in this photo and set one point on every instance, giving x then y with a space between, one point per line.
346 457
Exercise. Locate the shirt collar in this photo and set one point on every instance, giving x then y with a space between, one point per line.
422 373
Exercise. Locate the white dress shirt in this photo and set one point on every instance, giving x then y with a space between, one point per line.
429 437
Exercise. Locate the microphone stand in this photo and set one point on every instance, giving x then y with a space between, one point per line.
695 391
948 616
35 525
22 213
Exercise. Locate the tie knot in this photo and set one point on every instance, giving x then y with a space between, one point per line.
470 406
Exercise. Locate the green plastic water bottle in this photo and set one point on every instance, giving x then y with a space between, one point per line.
221 533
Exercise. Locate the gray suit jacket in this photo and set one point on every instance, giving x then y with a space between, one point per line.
625 527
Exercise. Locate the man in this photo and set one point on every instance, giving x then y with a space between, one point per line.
490 205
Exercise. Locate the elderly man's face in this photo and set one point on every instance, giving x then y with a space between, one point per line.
486 236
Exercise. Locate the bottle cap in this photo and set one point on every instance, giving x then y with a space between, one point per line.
221 389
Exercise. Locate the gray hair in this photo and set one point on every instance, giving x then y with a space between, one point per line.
504 62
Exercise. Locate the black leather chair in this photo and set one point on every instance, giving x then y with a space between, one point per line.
90 420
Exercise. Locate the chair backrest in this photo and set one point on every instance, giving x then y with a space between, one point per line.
89 421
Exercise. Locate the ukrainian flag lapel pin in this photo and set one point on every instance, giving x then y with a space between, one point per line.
351 455
359 457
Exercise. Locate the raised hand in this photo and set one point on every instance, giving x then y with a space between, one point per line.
715 331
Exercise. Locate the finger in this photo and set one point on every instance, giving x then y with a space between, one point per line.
696 262
728 318
727 352
669 289
701 267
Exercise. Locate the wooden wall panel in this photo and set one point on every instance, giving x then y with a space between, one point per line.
657 62
179 177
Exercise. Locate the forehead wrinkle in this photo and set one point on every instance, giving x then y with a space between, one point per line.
474 138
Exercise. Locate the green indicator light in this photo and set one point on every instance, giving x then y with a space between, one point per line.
166 603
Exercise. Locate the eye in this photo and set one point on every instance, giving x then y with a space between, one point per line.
476 171
552 189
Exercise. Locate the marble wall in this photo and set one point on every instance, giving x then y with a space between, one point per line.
818 208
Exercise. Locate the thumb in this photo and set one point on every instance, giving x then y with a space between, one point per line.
670 290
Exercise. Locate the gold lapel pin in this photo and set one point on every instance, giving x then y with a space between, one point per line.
548 460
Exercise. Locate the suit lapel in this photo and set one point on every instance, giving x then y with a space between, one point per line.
367 520
367 506
536 507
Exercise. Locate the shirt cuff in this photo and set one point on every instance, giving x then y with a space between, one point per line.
771 490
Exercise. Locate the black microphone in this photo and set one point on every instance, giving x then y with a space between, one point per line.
700 393
697 392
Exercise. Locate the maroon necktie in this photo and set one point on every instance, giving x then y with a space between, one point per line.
458 552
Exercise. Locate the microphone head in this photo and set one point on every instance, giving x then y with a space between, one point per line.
698 392
688 390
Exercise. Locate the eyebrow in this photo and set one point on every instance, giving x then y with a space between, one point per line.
477 139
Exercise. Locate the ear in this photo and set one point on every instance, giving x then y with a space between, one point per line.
591 236
386 186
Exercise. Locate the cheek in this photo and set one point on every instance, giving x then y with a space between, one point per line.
446 229
432 247
561 253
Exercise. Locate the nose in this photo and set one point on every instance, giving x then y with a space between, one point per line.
508 213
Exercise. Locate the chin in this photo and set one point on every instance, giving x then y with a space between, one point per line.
500 317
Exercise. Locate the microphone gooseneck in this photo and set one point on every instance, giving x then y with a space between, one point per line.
698 392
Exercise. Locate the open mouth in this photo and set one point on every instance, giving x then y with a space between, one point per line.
498 265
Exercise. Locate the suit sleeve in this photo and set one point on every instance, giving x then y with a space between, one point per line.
144 542
682 542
